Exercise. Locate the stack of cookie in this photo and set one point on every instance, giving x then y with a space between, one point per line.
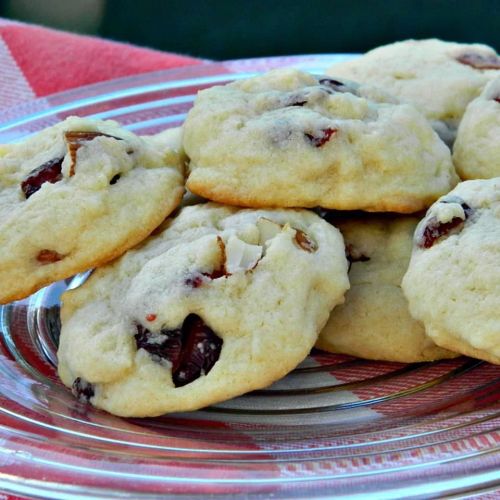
231 294
453 282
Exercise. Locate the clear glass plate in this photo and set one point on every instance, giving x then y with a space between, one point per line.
336 426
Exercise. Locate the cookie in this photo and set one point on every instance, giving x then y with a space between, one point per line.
439 78
287 139
453 281
79 194
222 302
476 152
374 322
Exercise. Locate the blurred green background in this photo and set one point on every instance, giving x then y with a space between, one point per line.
228 29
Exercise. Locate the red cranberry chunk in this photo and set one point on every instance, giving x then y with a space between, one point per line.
479 61
435 230
194 281
82 390
322 138
497 99
50 171
48 257
193 349
217 273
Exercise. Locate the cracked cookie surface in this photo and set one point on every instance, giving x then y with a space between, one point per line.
453 280
288 139
223 301
79 194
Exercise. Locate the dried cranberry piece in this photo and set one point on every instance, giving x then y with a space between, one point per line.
50 171
497 99
479 61
320 140
192 349
48 256
82 390
217 273
436 230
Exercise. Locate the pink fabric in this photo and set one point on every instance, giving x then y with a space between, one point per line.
37 61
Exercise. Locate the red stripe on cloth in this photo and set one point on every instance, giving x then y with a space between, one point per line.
53 61
14 88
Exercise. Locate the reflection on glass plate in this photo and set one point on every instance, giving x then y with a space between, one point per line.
335 426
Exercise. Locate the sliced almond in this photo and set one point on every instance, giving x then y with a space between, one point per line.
220 271
241 256
304 241
267 229
76 139
480 61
